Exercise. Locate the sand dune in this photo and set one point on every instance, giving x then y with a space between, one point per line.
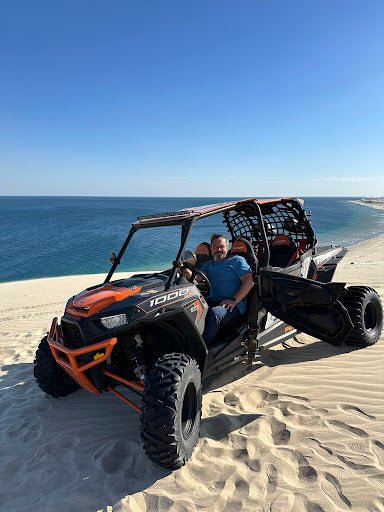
302 432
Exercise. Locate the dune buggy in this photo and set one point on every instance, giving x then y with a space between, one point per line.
144 333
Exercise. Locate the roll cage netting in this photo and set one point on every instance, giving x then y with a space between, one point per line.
285 217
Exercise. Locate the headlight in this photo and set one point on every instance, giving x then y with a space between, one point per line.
114 321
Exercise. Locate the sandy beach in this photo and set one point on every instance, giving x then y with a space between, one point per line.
377 203
302 432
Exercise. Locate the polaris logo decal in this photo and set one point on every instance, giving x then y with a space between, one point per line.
197 306
170 296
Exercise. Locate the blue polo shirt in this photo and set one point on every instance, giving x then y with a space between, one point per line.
225 278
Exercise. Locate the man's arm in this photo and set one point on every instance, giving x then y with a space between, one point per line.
245 287
187 273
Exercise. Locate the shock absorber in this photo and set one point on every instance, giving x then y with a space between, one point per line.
135 357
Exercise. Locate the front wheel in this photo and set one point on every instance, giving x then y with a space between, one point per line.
171 410
366 312
50 377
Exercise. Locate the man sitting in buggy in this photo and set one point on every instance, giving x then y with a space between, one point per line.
231 278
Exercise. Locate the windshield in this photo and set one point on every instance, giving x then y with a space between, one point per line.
155 248
151 249
204 229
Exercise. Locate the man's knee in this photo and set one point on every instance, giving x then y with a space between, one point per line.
218 313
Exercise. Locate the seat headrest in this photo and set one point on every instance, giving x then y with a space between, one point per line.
239 246
242 247
203 249
281 241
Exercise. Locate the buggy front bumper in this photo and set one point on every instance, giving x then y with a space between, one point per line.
67 358
99 352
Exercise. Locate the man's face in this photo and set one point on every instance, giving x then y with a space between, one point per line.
219 249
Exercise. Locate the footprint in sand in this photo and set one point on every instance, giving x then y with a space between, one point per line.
332 488
377 481
300 468
42 408
268 396
240 494
279 431
23 430
304 504
232 400
327 455
360 448
352 409
344 428
32 433
283 502
319 449
271 473
365 470
298 398
305 471
11 469
245 400
300 414
293 408
378 450
69 442
111 456
8 352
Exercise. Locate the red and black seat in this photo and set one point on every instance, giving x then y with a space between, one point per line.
283 251
242 247
203 254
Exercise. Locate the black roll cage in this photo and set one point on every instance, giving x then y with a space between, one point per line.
260 220
186 228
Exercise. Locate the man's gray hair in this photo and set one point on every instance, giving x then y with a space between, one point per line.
215 236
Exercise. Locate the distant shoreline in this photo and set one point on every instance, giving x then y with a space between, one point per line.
378 204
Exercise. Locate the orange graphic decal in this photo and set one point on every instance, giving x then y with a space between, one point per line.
96 300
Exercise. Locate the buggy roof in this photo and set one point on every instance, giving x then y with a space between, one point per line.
199 211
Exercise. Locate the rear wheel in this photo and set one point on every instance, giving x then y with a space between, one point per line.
50 377
171 410
366 312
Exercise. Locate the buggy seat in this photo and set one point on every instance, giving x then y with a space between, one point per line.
242 247
203 254
283 251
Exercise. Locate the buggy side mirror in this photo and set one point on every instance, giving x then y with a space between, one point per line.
188 257
112 258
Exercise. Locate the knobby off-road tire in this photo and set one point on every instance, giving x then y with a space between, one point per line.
171 410
50 377
366 312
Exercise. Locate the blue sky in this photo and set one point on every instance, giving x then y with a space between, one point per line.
203 98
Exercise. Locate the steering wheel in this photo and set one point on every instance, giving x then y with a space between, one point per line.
205 286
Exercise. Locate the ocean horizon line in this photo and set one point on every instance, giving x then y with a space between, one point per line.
46 236
182 197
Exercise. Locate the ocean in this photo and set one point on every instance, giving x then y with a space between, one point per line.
57 236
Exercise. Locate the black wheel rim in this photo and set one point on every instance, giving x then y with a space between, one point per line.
370 317
188 413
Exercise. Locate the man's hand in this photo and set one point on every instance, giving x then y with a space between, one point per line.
186 272
246 285
229 304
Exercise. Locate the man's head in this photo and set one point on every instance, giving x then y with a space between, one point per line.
219 247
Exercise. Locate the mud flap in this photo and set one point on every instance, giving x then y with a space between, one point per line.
309 306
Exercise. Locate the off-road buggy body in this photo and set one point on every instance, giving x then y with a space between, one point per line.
145 332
